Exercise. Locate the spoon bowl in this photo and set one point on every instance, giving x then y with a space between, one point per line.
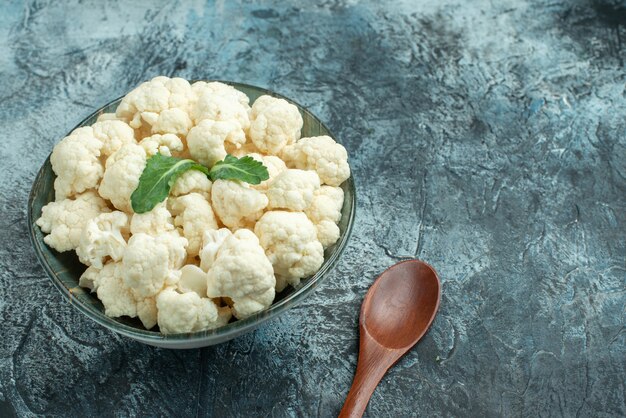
395 315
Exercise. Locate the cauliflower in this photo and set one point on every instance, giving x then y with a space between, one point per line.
64 220
290 242
192 279
206 140
322 154
117 298
292 189
113 134
172 121
192 181
193 213
243 273
103 236
188 312
121 176
274 123
162 144
219 102
236 204
158 221
274 166
75 161
150 262
212 241
143 105
246 149
325 212
115 295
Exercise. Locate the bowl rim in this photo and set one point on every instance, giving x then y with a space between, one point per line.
219 334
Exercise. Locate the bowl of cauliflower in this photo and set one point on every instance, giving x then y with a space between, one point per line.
185 214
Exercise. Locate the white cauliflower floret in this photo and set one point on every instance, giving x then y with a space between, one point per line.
206 140
103 236
274 123
115 295
243 273
64 220
144 104
121 176
113 134
172 121
188 312
194 215
290 242
325 212
162 144
236 204
158 221
219 102
274 166
192 279
75 161
212 241
322 154
292 189
149 262
192 181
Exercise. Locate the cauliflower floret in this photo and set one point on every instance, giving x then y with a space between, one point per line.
75 161
121 176
192 181
322 154
113 134
172 121
243 273
292 189
325 211
193 213
192 279
158 221
115 295
144 104
162 144
274 166
219 102
236 204
290 242
149 262
212 241
274 123
103 236
64 220
206 140
188 312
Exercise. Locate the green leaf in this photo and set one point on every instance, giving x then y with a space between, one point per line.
243 169
157 179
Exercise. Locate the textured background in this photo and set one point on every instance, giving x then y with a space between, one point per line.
486 137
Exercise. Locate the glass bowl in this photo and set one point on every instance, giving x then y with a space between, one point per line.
64 269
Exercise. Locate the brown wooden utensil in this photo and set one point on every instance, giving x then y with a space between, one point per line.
395 314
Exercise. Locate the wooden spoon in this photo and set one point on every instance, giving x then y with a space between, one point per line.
396 313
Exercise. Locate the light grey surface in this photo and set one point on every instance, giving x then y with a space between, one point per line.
487 138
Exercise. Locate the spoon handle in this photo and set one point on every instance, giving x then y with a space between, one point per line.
374 361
